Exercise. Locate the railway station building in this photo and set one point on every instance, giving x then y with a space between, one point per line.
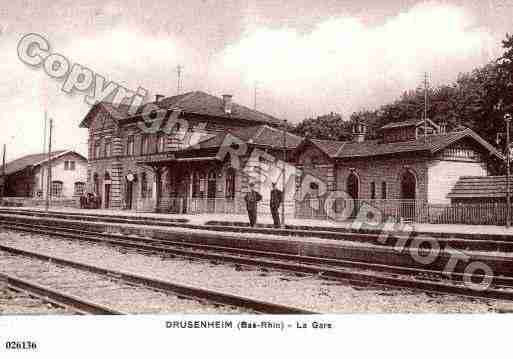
209 150
175 168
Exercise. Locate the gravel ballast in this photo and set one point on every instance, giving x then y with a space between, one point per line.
311 293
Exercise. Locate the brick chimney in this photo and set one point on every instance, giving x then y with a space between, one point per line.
359 130
159 97
227 104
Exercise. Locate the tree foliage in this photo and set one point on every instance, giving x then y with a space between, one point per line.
478 99
328 127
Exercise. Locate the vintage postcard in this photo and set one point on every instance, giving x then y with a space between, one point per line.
264 171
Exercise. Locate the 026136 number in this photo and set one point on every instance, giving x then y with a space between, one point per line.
20 345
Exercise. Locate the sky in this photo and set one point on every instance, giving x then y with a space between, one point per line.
304 58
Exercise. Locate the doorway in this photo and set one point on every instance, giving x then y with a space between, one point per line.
129 194
353 190
408 195
211 192
107 195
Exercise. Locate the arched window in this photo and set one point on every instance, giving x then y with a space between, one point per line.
408 185
106 176
353 185
408 195
230 183
383 190
56 189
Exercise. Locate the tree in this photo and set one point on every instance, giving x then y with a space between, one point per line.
327 127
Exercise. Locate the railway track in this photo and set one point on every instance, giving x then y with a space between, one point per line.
62 299
353 272
97 290
20 297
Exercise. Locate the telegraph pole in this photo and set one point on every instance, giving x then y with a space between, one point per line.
507 119
426 84
44 149
179 69
4 179
283 174
49 174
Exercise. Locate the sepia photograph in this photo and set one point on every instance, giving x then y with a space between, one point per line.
266 171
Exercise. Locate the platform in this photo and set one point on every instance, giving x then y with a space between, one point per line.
355 247
265 221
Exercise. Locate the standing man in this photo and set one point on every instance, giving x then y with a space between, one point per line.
252 199
276 200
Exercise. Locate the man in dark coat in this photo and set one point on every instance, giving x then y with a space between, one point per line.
276 200
83 201
252 198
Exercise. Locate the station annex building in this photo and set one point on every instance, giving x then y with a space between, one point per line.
179 172
27 176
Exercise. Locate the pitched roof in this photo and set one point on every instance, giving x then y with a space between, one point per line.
433 143
195 102
412 122
262 135
33 160
479 187
331 148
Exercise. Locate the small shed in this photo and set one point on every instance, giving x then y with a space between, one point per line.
480 189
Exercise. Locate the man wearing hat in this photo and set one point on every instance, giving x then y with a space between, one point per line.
275 202
252 198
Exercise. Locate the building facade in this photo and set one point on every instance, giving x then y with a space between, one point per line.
204 153
400 170
27 176
166 165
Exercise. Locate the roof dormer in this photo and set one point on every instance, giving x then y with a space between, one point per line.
408 130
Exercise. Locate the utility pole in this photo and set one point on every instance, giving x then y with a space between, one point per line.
426 84
49 174
179 69
507 119
283 173
4 179
44 149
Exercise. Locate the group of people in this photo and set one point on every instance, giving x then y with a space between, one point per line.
90 201
253 197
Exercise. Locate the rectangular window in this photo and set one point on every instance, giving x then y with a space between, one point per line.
144 144
66 165
130 146
384 190
373 190
79 188
97 149
107 149
71 165
56 189
160 142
